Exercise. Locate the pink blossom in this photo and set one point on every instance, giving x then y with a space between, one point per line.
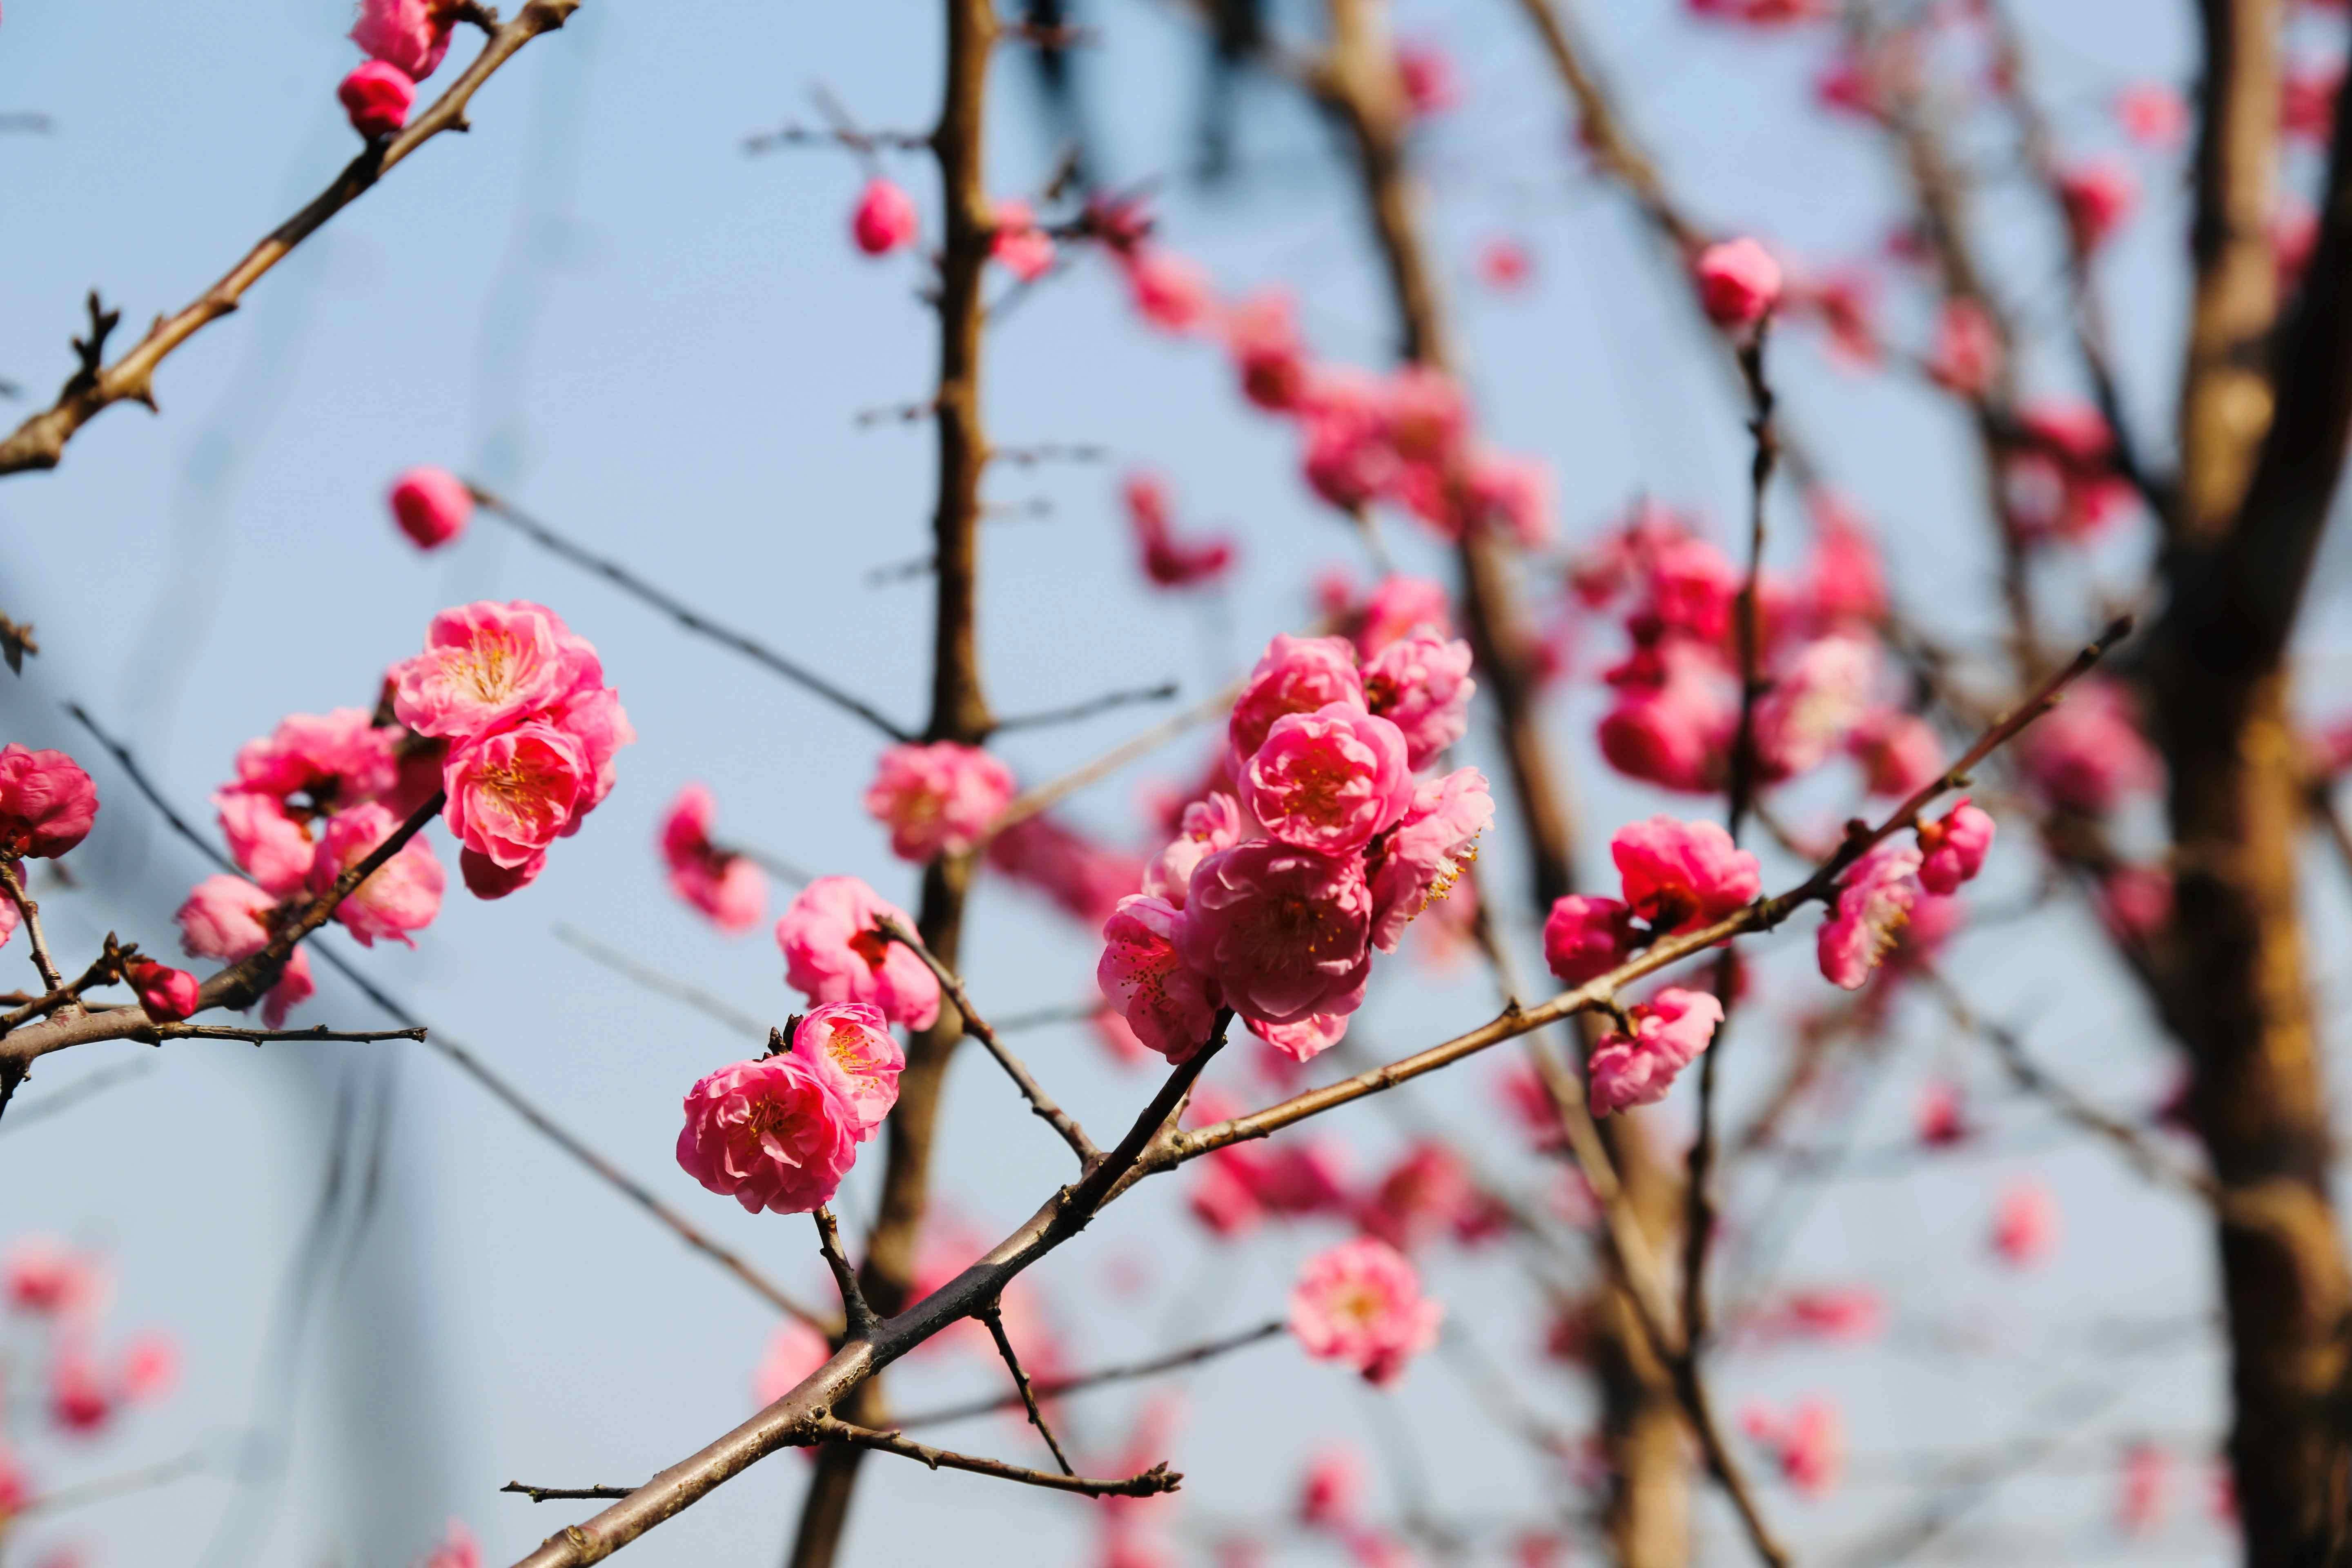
1399 606
885 219
2098 197
2153 114
44 1276
293 988
1168 560
727 887
1845 86
1425 1194
1425 415
1676 710
1816 702
1844 302
1432 845
1940 1118
1210 824
1330 780
2087 754
849 1047
458 1549
937 799
1952 848
1422 684
2135 901
151 1366
168 994
377 98
2025 1224
1844 581
412 35
8 918
488 664
1839 1313
1504 264
2307 96
1669 1032
1171 1007
268 844
1899 751
486 878
82 1400
1331 1493
832 954
768 1133
513 794
46 803
1427 72
400 896
431 506
1084 879
795 1351
593 716
1809 1447
1585 938
335 758
1262 337
2062 484
1738 283
1348 459
225 918
1170 291
1967 354
1282 931
1681 876
1220 1199
1874 903
1025 249
1360 1302
1307 1039
1295 675
2147 1478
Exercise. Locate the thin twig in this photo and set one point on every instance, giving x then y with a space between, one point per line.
12 881
859 1315
1040 1102
1152 1482
260 1037
993 1314
552 1494
105 1487
793 135
685 615
1075 712
1038 798
661 984
1055 1387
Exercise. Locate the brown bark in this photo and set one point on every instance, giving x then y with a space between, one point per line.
959 712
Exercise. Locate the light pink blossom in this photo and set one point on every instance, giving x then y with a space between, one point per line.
1331 1493
2146 1480
1669 1032
1809 1447
1283 932
432 506
1025 250
832 953
1360 1303
2153 113
400 896
1874 904
1814 705
937 799
1505 264
1330 780
2025 1224
1436 840
225 918
1083 879
1585 938
885 220
272 845
513 794
1427 74
1399 606
768 1133
1307 1039
2086 755
1952 848
412 35
488 664
1738 283
1899 751
334 759
1427 1193
377 98
458 1549
46 803
1966 357
44 1276
727 887
1210 824
1171 1005
1681 876
851 1049
1422 684
1170 291
1168 560
1295 675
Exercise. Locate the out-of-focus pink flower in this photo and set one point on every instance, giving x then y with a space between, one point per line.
1952 848
1941 1117
1330 780
1398 607
1762 13
2025 1224
1307 1039
229 919
1681 876
1669 1032
1169 1005
768 1133
1967 354
885 219
1845 583
1585 937
795 1351
1426 71
1517 492
1331 1492
1844 1314
2062 484
1170 291
1025 250
1527 1102
727 887
850 1047
44 1276
17 1488
432 506
1295 675
1425 1195
1844 300
1823 693
1210 824
2135 901
1809 1447
1676 710
513 794
2098 196
458 1549
1504 264
400 896
1222 1200
2294 235
2087 754
1283 932
273 848
2307 97
1422 684
1348 459
1898 752
1738 283
1845 87
1425 415
377 97
1873 904
2154 114
82 1398
937 799
151 1366
169 995
1360 1302
832 953
1168 560
2145 1479
8 918
1083 879
46 803
486 665
412 35
1262 337
334 759
1420 862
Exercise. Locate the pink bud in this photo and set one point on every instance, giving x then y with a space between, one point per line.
431 505
885 219
378 98
46 803
1738 283
169 995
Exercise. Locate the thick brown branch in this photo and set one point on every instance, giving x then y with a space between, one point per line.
854 1307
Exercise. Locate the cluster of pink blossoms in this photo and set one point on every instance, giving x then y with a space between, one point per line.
779 1132
937 799
1807 1446
404 40
62 1293
1360 1303
1271 899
